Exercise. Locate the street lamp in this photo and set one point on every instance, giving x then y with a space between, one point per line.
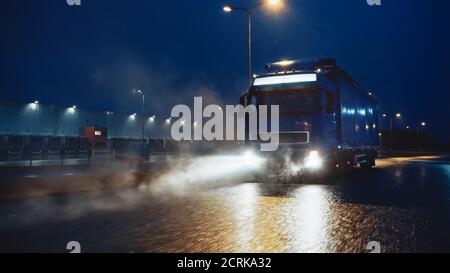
249 11
140 93
419 126
391 121
227 9
36 107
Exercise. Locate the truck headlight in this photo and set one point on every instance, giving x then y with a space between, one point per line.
313 161
250 158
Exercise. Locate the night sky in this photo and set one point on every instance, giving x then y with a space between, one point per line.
94 55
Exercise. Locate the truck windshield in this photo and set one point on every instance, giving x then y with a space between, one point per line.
291 102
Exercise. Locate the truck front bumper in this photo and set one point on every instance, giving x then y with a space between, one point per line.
294 159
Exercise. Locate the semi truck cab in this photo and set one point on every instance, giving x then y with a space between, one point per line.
326 118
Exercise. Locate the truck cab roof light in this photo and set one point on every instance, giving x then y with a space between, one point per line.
301 65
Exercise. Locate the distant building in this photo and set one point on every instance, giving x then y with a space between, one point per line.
50 120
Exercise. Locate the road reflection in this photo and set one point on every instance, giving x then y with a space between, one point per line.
244 204
307 218
295 220
403 206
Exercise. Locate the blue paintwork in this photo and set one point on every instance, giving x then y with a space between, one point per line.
352 125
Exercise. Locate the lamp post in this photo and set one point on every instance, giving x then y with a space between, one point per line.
421 125
36 107
140 93
391 121
248 12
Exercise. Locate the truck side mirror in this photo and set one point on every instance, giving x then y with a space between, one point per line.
242 100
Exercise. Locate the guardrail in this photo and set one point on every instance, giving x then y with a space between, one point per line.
37 149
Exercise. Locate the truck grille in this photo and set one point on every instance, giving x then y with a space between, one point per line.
294 137
298 137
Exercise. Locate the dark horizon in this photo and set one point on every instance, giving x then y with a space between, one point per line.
96 54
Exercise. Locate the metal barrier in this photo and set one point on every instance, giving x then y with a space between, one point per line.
70 147
4 142
17 149
36 147
54 147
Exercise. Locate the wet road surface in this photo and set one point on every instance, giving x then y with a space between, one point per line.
404 204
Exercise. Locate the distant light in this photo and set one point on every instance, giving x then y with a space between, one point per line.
168 120
227 9
370 94
152 119
32 106
296 78
384 115
423 124
318 70
367 126
36 102
74 107
284 63
374 126
134 114
362 112
273 2
380 134
195 123
407 127
398 115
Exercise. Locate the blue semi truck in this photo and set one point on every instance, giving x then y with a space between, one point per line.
327 120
